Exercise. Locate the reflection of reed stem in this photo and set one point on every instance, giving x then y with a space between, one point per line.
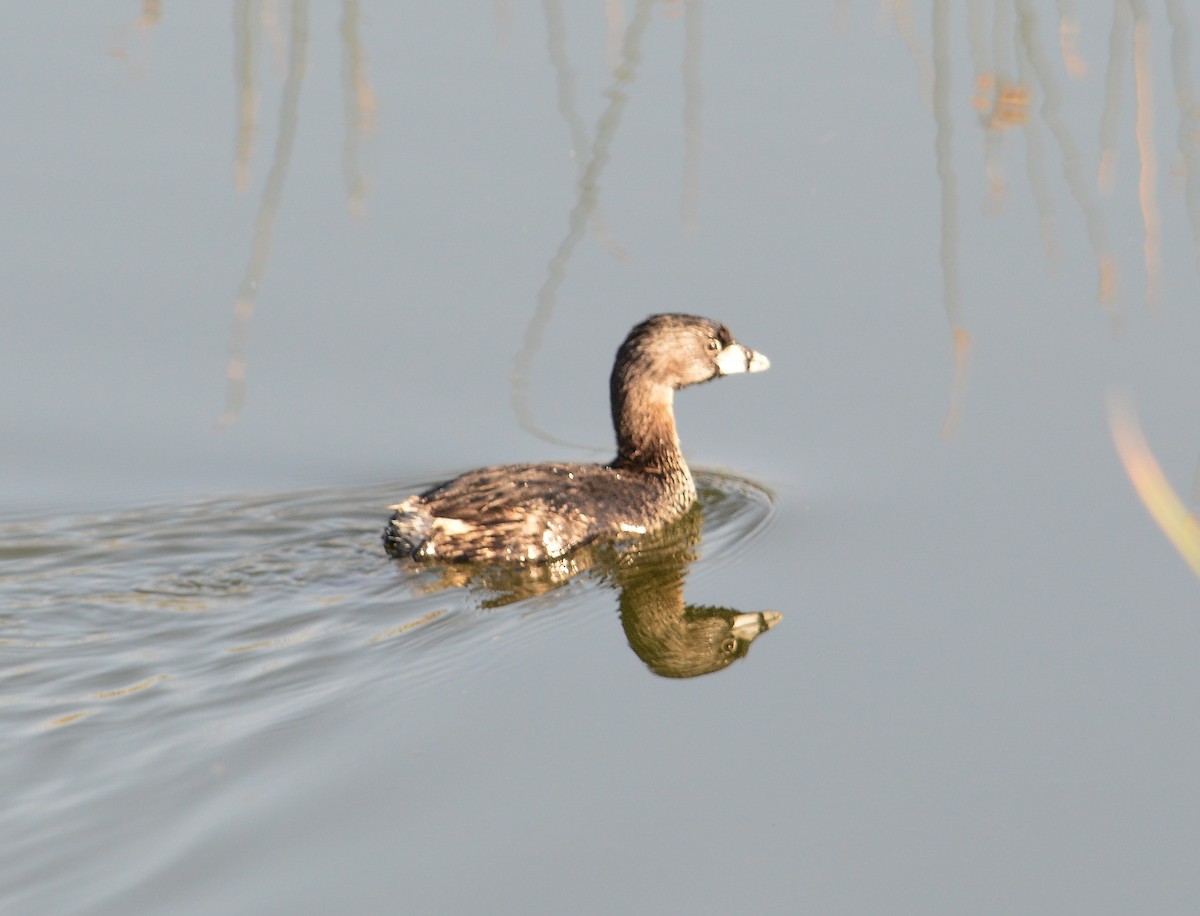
614 16
556 44
606 129
1002 32
1072 159
268 209
360 107
1189 116
1147 155
276 39
693 124
502 10
944 147
1002 54
916 50
151 14
1035 165
1118 42
980 54
1068 39
245 52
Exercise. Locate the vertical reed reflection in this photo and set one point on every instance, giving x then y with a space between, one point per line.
152 11
502 10
585 205
981 58
268 209
998 114
245 75
916 50
272 23
1068 39
1147 154
614 16
1188 135
1118 43
133 42
1072 159
556 45
360 107
693 121
1035 168
944 147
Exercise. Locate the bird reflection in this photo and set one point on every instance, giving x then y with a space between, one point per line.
674 639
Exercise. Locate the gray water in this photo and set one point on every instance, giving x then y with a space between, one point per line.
270 268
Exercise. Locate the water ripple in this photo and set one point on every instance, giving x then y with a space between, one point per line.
233 613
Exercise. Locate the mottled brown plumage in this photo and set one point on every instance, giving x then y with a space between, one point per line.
535 512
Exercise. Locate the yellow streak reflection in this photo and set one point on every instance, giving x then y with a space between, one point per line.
264 224
360 107
585 205
67 719
1148 157
279 642
132 688
392 632
1151 485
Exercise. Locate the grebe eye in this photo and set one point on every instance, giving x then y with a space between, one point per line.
713 345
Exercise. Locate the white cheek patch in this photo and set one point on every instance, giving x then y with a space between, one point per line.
735 358
451 526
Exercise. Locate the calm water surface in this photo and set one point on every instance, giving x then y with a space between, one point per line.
272 266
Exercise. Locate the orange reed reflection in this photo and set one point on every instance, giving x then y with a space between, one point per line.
577 222
1188 134
1118 44
1148 157
1017 90
943 146
137 35
268 209
360 107
1068 39
1151 485
693 101
287 38
1072 157
245 65
556 44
